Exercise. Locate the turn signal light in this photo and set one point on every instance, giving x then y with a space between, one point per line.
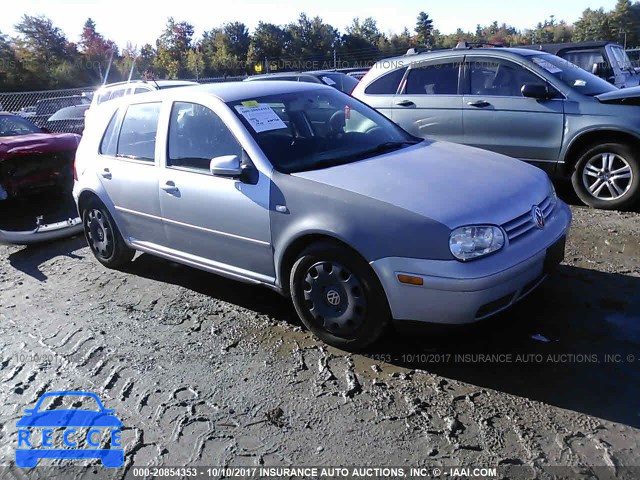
410 279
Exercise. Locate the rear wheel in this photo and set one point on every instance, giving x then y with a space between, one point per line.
607 176
103 236
338 297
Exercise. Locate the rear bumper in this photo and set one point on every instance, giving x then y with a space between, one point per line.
42 233
458 293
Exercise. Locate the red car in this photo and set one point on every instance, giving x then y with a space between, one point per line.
36 178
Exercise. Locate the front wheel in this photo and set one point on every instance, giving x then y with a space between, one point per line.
103 236
338 297
607 176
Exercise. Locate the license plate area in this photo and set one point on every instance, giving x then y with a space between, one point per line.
554 255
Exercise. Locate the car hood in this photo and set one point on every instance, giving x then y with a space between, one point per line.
69 418
623 95
448 183
37 143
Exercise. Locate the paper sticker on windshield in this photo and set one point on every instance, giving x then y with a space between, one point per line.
579 83
328 81
250 103
548 66
262 118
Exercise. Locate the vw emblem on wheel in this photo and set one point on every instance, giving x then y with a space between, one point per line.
333 297
538 216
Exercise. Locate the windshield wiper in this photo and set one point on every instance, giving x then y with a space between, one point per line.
377 150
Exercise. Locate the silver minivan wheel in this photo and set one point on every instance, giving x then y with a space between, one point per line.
607 176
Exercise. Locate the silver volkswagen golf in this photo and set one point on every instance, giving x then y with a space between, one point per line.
310 192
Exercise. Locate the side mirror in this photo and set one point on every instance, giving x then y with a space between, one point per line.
226 166
535 90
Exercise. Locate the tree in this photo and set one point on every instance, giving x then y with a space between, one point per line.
424 28
236 41
97 51
624 27
48 59
10 68
592 25
268 41
172 48
312 40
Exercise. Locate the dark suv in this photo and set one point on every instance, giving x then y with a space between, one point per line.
607 60
523 103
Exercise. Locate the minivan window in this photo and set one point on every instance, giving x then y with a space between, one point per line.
435 79
196 135
138 133
499 78
387 84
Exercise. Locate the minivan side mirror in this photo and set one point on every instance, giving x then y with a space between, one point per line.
535 90
226 166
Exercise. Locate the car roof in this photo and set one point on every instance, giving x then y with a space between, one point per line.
558 47
230 91
159 83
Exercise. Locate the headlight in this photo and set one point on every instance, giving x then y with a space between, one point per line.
468 243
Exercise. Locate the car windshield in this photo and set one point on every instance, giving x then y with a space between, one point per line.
69 402
11 125
316 129
572 75
621 58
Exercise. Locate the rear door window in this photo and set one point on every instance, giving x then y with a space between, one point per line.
433 79
137 139
387 84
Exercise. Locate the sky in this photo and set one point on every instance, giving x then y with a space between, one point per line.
140 22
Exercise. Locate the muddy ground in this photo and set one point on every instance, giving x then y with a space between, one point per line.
205 371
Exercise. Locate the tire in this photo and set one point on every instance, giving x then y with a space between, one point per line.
338 297
596 183
103 236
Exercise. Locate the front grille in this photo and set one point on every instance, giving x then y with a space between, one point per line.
524 223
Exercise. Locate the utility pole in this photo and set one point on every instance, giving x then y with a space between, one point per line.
334 58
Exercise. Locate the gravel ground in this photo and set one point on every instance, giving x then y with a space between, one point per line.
205 371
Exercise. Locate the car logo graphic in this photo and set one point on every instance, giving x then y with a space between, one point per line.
333 297
538 216
32 447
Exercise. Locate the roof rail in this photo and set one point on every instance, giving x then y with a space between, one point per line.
416 51
469 45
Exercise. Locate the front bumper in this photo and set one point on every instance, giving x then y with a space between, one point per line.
42 233
457 293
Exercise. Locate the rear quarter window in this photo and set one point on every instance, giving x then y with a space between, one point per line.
109 143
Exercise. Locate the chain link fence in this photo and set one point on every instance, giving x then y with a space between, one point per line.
61 111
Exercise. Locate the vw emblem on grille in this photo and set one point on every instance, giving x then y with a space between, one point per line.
333 297
538 216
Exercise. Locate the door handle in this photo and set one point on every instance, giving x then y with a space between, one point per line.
405 103
169 187
479 104
106 173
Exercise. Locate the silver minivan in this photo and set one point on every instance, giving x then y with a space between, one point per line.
310 192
